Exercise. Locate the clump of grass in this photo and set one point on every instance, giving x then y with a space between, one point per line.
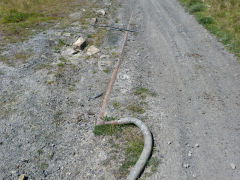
58 118
107 70
15 16
44 165
196 7
205 20
141 91
60 64
132 152
117 20
116 105
135 108
62 59
107 129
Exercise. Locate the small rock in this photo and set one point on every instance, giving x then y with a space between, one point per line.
189 154
93 21
169 142
80 44
101 11
13 172
75 15
91 113
58 33
68 52
92 50
67 34
196 145
22 177
186 165
233 166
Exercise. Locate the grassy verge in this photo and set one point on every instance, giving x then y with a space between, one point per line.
19 17
220 17
129 140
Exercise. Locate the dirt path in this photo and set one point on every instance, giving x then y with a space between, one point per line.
195 117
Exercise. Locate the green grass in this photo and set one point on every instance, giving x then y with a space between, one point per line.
135 108
116 105
142 92
132 152
222 18
19 17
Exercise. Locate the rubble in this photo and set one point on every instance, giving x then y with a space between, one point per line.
92 50
80 44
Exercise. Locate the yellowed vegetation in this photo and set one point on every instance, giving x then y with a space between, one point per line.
221 17
18 17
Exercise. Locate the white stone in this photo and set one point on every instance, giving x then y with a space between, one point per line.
93 21
196 145
67 34
233 166
58 33
104 62
189 153
80 43
68 52
92 50
101 11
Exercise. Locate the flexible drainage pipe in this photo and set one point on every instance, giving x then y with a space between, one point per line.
147 149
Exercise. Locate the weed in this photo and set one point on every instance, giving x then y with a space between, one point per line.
15 16
58 118
141 91
43 66
117 20
135 108
205 20
44 165
132 152
40 151
114 54
107 118
60 64
63 59
116 105
106 129
108 70
196 7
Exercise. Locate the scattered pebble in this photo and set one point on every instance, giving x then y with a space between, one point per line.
22 177
197 145
189 154
186 165
169 142
233 166
92 50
